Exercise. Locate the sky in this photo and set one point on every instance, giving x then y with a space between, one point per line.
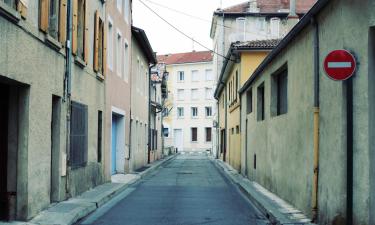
163 38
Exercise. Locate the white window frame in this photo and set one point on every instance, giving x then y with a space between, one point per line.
180 112
194 94
195 78
180 94
241 28
275 26
126 63
209 75
192 112
210 110
119 57
179 76
110 44
208 93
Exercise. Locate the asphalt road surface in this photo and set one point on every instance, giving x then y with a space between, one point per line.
188 190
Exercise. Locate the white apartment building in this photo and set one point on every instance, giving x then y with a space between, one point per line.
190 107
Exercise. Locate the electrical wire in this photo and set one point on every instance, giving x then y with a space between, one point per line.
202 19
181 32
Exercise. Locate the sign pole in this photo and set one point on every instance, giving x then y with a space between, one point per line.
349 150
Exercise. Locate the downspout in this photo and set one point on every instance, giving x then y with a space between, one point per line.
149 113
226 124
68 83
316 112
218 131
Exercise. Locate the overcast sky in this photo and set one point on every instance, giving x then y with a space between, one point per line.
164 39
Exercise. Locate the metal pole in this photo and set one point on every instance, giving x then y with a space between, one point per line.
349 145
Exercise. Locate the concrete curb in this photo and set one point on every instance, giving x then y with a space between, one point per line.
276 210
72 210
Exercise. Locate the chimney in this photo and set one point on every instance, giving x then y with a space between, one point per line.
292 17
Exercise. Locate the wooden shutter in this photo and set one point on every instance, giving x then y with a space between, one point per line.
62 21
22 9
96 42
86 34
75 27
104 32
44 13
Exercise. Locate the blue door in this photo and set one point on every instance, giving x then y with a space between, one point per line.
114 144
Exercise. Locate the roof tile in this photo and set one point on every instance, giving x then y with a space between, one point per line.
188 57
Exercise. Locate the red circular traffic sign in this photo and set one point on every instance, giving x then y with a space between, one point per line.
339 65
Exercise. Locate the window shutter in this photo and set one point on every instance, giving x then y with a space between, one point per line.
62 22
96 42
86 34
104 32
43 17
75 27
78 135
21 7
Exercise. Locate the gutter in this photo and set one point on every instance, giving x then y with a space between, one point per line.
305 21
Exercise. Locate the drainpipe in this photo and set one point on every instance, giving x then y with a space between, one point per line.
349 149
68 82
316 111
149 113
218 131
226 124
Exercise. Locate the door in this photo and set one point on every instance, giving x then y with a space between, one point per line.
178 140
223 144
4 207
114 145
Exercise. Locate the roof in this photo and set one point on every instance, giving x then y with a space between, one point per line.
304 22
257 44
270 6
145 45
188 57
231 57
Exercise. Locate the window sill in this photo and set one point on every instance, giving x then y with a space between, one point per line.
78 61
52 42
9 13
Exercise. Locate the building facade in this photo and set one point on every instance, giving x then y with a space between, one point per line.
143 58
118 81
241 60
51 116
190 106
320 142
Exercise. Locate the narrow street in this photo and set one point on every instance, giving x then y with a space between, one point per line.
185 191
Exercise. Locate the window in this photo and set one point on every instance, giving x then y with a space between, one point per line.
194 112
180 76
118 54
237 84
241 29
180 94
260 104
208 110
194 94
79 23
52 18
237 129
126 62
99 53
180 112
110 44
100 135
208 134
78 135
249 101
280 95
165 112
119 4
275 27
209 75
11 3
195 75
127 10
166 132
194 134
209 94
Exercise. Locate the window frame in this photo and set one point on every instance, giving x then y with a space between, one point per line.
192 134
261 114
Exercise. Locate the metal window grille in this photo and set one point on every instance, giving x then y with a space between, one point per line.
78 135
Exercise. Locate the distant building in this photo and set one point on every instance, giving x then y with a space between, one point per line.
253 20
143 58
190 106
241 61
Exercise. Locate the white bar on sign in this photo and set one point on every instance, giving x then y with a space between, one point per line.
339 65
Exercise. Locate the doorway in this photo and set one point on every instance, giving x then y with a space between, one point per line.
178 140
223 149
118 144
4 107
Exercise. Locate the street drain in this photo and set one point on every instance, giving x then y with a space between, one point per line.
184 172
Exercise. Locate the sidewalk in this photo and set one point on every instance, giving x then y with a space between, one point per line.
277 210
73 209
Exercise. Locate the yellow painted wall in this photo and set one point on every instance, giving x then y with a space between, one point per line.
248 63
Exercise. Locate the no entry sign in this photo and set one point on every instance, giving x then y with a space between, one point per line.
339 65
